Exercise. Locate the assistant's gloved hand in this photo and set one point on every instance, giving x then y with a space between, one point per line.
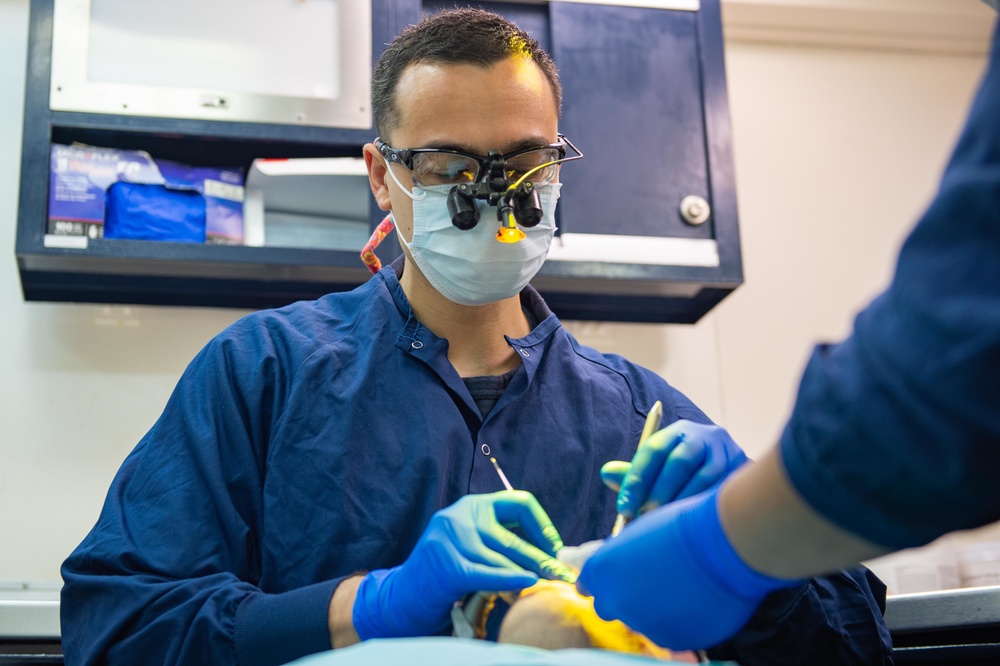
679 461
465 548
673 576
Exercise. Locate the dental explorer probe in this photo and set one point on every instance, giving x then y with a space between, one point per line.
506 483
652 424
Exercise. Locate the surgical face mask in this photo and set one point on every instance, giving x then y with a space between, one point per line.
471 267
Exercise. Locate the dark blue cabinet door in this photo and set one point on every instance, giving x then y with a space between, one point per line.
633 89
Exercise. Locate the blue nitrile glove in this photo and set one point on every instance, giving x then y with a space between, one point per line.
465 548
679 461
673 576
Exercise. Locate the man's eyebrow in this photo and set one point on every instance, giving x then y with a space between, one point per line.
534 142
531 142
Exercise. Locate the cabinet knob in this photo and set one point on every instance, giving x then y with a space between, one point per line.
695 210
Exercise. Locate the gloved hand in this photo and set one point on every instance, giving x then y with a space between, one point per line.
679 461
673 576
465 548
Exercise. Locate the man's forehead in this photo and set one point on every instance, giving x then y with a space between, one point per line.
505 106
516 67
446 80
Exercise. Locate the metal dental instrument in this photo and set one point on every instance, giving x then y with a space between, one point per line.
565 550
652 425
469 614
506 483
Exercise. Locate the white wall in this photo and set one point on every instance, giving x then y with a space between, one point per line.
837 152
79 384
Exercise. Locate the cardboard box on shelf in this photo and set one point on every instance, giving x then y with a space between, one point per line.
105 192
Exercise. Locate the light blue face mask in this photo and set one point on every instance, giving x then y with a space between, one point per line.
995 4
472 267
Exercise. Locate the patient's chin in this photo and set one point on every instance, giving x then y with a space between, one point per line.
548 621
552 615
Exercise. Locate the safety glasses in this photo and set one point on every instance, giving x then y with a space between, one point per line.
438 166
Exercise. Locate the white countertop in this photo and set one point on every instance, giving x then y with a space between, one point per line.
944 609
29 610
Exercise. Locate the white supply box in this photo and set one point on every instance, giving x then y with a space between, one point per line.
320 203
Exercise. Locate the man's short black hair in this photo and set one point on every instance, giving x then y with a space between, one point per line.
458 36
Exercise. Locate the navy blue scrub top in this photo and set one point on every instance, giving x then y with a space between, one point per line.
305 444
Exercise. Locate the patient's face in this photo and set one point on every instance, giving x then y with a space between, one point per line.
552 615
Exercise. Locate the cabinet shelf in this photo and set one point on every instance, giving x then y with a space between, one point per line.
158 273
201 142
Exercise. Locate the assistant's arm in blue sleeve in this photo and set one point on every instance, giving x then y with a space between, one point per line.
895 435
170 572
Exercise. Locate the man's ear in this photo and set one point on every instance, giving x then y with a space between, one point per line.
376 176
